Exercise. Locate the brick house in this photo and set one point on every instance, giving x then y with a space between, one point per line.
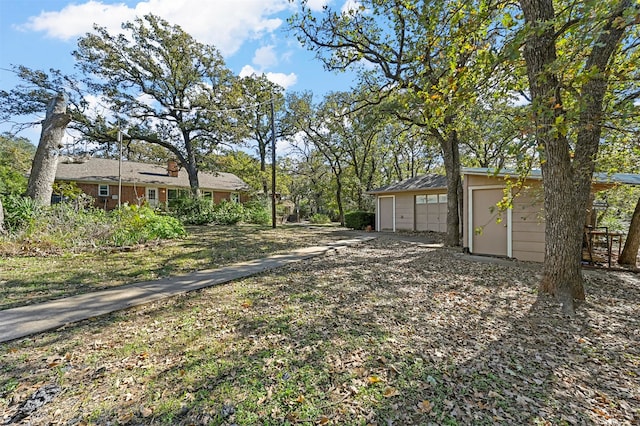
140 182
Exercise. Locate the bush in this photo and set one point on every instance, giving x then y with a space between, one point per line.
75 225
359 220
192 211
228 213
134 225
319 218
20 213
256 212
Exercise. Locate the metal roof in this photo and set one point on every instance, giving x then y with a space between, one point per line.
430 181
106 171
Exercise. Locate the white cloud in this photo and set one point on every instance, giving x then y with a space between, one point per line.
317 5
284 80
71 21
225 24
351 6
265 57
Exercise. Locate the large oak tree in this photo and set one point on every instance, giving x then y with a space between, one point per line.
166 88
570 53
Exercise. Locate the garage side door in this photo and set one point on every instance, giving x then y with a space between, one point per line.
489 237
386 213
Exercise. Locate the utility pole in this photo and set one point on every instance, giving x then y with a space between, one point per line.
119 167
273 166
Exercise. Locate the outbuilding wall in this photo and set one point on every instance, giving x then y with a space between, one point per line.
408 216
524 221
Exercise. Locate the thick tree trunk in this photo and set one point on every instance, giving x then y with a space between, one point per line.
567 184
191 165
451 155
194 182
629 254
45 161
562 275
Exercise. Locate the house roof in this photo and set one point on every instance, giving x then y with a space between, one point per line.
430 181
106 171
604 178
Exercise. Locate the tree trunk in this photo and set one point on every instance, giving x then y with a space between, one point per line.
451 155
263 169
191 165
561 273
339 198
2 230
45 161
566 184
194 183
629 254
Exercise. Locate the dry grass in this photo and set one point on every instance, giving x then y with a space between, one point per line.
387 332
38 276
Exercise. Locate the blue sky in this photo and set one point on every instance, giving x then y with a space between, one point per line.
250 34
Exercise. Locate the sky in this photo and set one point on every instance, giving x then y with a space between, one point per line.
251 35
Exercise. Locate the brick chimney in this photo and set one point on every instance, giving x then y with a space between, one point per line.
172 168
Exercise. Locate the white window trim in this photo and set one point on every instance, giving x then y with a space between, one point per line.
100 187
470 229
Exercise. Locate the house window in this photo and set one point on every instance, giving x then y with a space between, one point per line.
421 199
207 194
432 198
235 197
174 193
103 190
442 198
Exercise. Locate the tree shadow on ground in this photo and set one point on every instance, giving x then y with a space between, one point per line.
382 333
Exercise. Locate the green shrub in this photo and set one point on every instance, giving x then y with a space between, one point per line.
20 212
256 212
192 211
138 224
73 224
319 218
228 213
359 220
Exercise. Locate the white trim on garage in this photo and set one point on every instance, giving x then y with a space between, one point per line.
393 211
470 228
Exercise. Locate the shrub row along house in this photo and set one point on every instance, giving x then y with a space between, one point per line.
420 204
110 182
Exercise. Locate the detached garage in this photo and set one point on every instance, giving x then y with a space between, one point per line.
420 204
518 232
415 204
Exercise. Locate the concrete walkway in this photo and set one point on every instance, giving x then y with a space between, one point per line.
27 320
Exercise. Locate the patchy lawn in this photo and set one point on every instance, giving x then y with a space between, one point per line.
384 333
44 276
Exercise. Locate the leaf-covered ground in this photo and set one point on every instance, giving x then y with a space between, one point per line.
384 333
35 276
